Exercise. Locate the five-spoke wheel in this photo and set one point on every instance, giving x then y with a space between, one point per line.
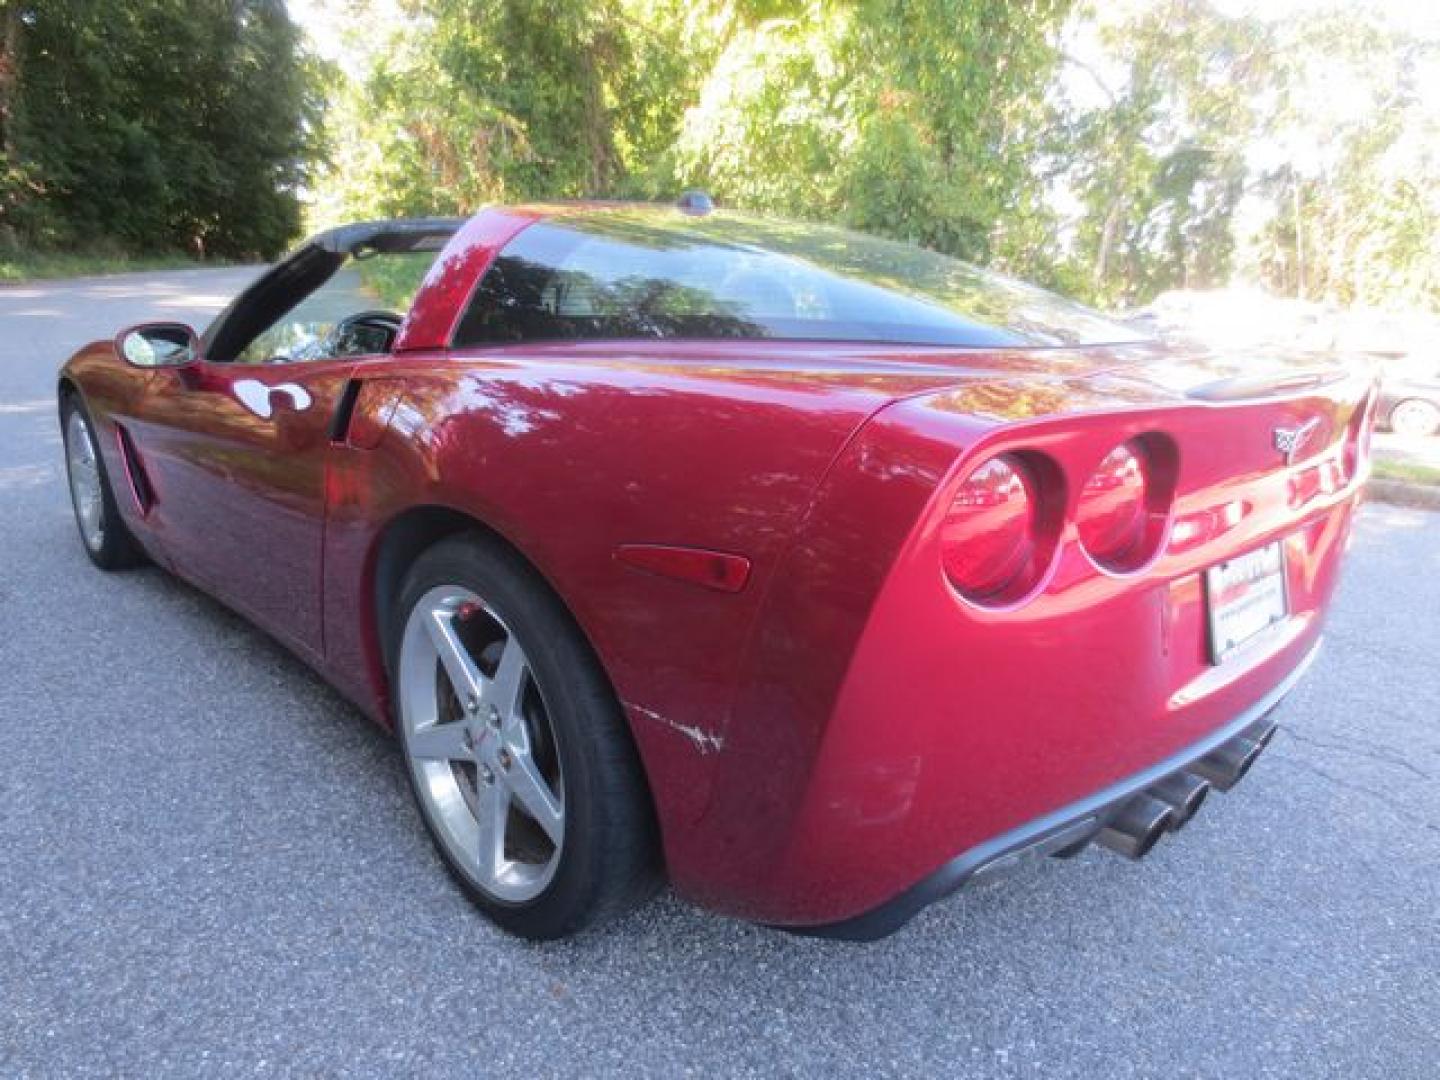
480 744
107 540
82 462
519 759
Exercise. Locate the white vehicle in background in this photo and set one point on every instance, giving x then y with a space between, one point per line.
1235 320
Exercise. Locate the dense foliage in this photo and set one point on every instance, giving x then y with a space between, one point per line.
1111 150
1360 122
1301 153
912 118
154 125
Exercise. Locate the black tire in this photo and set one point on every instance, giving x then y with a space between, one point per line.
609 859
115 548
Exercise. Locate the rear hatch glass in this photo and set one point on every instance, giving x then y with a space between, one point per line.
658 274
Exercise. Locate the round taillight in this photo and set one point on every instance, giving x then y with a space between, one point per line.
1113 515
988 537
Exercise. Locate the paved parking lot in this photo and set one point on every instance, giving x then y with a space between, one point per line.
208 862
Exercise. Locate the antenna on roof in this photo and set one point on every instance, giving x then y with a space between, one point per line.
695 202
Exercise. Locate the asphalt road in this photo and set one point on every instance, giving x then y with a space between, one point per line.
209 862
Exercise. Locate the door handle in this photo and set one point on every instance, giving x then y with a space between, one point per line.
259 398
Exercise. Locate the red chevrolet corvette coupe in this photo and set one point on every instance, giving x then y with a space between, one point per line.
823 573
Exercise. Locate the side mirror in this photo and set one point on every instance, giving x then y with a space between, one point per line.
158 345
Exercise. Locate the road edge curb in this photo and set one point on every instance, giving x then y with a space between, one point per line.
1398 493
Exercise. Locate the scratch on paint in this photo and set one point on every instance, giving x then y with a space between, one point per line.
707 742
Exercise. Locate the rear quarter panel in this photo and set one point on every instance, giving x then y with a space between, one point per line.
568 455
924 725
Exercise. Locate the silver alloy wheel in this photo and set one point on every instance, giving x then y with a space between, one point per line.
480 744
1415 418
81 462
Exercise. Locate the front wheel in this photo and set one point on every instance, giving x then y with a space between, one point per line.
103 532
1415 418
516 751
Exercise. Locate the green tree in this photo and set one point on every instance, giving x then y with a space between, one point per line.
480 100
156 124
1112 151
1323 129
1160 166
910 119
1352 183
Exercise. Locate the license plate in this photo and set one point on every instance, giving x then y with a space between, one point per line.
1244 596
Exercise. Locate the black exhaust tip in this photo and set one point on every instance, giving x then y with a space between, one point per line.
1183 792
1137 827
1227 765
1262 733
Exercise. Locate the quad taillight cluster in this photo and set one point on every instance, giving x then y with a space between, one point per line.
1003 528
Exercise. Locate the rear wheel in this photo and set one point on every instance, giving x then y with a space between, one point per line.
1415 417
103 532
515 749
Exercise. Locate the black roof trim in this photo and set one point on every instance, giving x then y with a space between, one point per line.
404 234
281 288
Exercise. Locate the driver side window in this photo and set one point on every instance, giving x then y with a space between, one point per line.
357 312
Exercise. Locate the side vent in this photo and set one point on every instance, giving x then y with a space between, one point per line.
140 488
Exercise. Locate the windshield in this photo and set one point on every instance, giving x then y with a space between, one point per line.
656 274
341 293
377 285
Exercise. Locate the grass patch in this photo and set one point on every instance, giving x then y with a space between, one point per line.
1407 472
48 265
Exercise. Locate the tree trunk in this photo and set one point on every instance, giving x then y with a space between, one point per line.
1107 240
1299 238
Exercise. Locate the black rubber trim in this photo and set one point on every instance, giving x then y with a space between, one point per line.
395 235
280 289
1045 835
344 411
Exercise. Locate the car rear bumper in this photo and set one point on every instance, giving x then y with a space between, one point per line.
1224 756
884 765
